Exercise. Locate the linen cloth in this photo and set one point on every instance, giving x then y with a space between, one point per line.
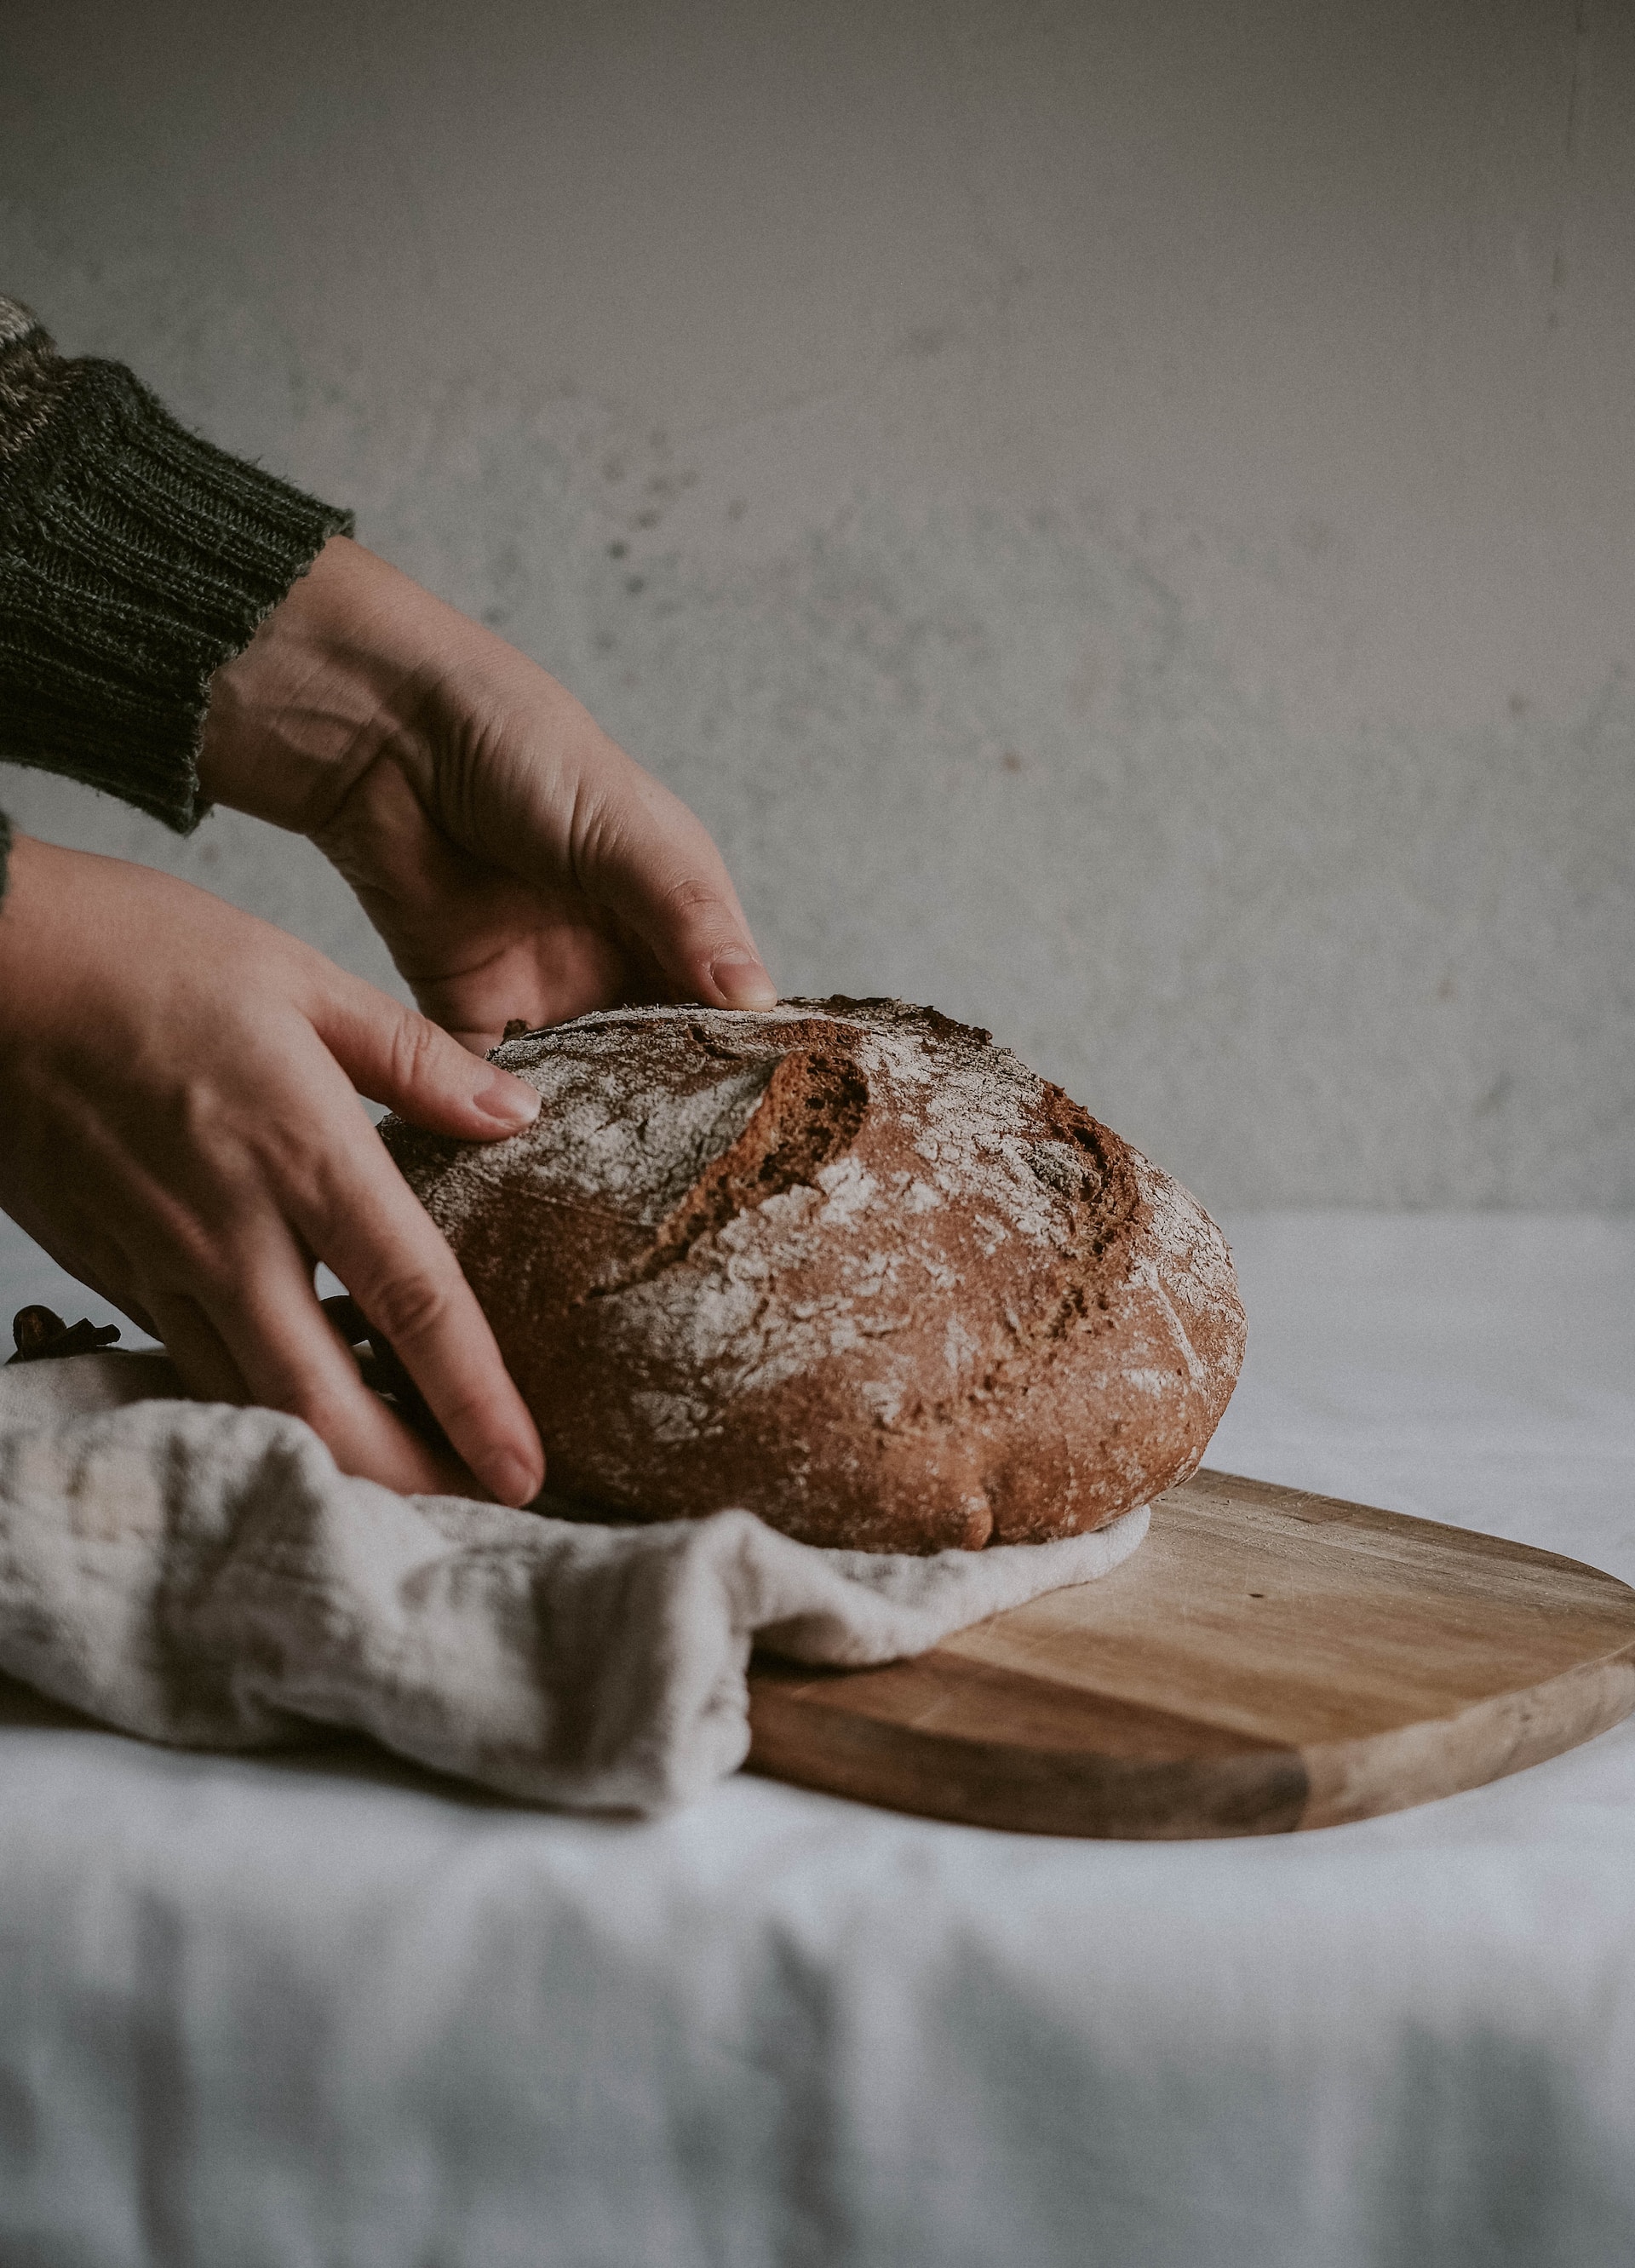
322 2009
204 1575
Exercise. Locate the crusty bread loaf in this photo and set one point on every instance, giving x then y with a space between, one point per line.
845 1262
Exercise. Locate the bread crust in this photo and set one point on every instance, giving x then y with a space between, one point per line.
844 1262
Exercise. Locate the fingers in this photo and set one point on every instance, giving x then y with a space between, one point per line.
355 1211
249 1327
287 1360
271 1345
401 1058
689 919
640 851
195 1346
170 1107
409 1284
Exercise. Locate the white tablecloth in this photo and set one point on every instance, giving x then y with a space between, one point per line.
328 2011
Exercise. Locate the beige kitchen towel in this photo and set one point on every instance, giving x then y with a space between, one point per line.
204 1575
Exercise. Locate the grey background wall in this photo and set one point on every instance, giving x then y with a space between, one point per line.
1122 519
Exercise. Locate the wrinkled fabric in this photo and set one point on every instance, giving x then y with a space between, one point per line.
204 1575
320 2010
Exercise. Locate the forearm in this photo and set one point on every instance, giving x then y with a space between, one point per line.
135 560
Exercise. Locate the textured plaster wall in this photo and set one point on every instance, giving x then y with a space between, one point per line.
1122 519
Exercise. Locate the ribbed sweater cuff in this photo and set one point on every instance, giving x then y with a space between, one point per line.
135 559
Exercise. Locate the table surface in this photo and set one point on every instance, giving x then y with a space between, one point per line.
326 2009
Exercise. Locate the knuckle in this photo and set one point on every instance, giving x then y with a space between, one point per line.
415 1049
200 1113
408 1308
692 896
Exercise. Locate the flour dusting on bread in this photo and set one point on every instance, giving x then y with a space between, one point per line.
845 1262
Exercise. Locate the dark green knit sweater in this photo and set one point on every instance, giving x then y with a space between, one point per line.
135 559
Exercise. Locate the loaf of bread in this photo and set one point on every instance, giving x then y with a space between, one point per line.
845 1262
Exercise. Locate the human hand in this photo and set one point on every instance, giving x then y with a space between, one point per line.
516 861
182 1133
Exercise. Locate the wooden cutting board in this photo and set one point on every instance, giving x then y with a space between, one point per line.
1266 1660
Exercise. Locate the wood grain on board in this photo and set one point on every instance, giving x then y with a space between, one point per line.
1267 1660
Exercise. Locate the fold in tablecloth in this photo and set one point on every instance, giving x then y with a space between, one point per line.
204 1575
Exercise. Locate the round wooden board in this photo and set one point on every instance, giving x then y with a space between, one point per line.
1267 1660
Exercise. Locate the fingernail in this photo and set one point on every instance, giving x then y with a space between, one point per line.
511 1102
741 981
512 1479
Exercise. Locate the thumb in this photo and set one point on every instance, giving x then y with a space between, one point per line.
645 855
399 1057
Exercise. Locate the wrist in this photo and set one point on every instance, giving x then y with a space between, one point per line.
335 675
40 940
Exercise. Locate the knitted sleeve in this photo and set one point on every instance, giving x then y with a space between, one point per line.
135 559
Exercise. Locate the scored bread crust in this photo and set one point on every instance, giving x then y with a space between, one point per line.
843 1261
